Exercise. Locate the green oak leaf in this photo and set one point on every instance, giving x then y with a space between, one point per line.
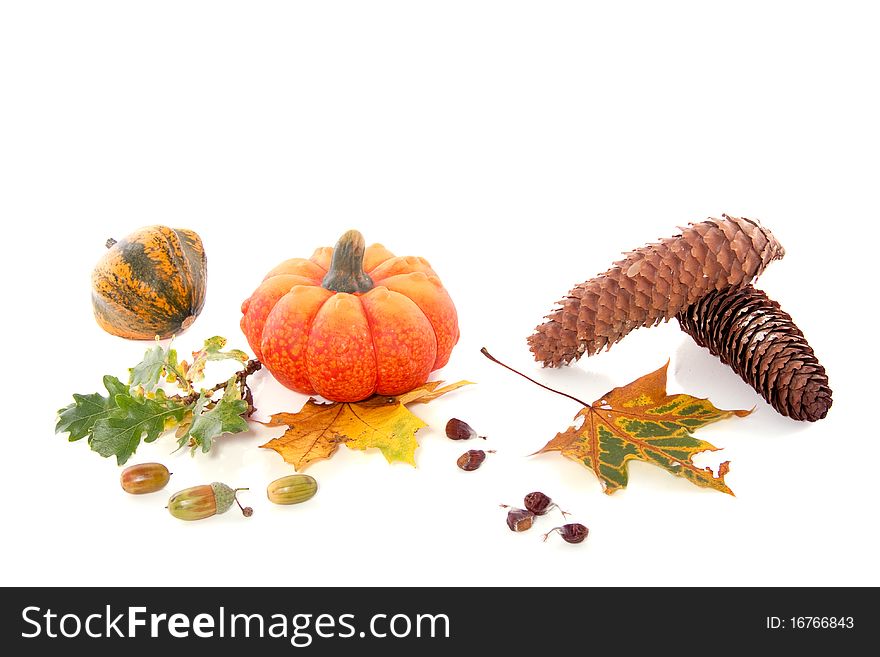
213 347
211 351
141 410
174 372
225 417
78 418
135 418
148 372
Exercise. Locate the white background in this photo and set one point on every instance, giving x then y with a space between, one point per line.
520 147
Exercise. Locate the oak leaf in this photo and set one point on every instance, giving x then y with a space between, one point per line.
134 418
79 418
142 409
641 421
209 419
380 422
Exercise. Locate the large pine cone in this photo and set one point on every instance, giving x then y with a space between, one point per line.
751 333
653 284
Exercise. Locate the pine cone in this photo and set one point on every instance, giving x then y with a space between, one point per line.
750 332
653 284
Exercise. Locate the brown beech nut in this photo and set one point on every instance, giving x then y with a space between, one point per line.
519 520
573 532
472 459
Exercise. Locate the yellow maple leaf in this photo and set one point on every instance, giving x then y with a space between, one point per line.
317 430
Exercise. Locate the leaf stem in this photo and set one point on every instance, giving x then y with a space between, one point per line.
181 378
486 353
241 378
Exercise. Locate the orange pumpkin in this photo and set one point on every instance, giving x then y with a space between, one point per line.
350 322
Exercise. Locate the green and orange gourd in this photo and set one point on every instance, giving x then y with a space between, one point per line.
351 321
150 284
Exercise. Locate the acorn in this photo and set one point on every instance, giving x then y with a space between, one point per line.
292 489
201 502
144 478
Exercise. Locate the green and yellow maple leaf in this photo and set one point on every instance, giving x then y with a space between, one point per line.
641 421
384 423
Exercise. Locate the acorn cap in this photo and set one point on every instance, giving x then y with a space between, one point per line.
223 495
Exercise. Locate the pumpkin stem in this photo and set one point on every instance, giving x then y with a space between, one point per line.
346 272
110 242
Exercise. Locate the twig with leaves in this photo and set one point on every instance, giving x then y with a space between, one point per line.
115 424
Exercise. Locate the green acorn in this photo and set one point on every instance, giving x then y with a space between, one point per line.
204 501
